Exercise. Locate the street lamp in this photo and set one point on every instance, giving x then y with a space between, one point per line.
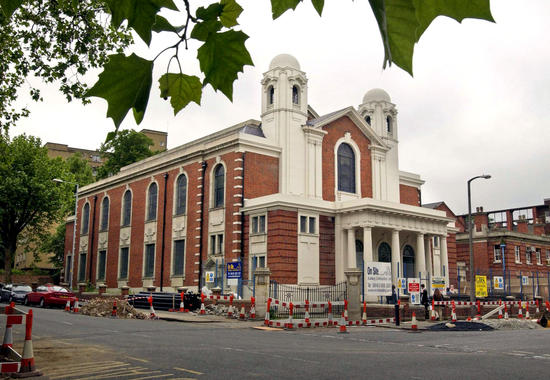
74 227
472 266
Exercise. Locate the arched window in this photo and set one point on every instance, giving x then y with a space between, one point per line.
270 95
367 119
181 194
384 253
295 95
85 218
359 254
104 214
408 262
388 124
126 208
346 168
152 202
219 185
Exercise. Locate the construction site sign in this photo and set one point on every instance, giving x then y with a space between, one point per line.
209 277
481 286
378 278
414 290
401 283
498 282
438 283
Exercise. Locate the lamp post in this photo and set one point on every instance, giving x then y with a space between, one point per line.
74 228
472 266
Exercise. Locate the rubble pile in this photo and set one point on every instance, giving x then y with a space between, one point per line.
103 307
512 324
221 310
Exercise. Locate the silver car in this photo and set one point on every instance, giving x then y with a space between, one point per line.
19 292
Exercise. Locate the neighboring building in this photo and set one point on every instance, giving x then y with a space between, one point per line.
525 232
160 139
306 195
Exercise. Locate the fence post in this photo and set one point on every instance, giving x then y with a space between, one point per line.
458 280
261 290
353 276
520 286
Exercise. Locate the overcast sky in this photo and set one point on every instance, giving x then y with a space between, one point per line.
478 102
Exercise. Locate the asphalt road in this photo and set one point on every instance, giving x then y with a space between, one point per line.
69 346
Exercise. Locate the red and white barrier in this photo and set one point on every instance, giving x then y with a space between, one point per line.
484 303
252 308
27 360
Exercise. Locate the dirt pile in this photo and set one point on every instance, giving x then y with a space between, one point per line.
103 307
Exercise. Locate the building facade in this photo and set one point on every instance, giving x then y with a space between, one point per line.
511 243
304 194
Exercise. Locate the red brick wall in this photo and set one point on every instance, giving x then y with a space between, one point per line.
337 130
282 246
452 256
261 175
409 195
326 250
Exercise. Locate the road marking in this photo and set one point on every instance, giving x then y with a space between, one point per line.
524 352
189 370
90 368
138 359
67 323
154 376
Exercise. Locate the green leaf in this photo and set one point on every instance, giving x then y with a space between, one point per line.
211 13
402 22
141 14
278 7
7 7
318 5
125 83
222 57
203 29
181 89
163 25
230 14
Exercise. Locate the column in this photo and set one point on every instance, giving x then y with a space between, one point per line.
444 258
395 256
351 248
428 253
367 245
420 256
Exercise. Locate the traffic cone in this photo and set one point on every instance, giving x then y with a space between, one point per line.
27 360
152 314
242 314
230 309
453 313
527 316
268 307
114 312
346 310
202 310
364 317
343 329
306 315
68 306
76 307
414 325
537 311
432 310
290 324
478 315
252 308
505 311
182 303
548 306
499 310
520 310
330 322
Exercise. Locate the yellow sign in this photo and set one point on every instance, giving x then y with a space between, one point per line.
481 286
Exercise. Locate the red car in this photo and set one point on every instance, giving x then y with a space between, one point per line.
49 295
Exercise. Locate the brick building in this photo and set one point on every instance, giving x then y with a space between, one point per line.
525 234
304 194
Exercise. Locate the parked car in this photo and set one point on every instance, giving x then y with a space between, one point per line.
49 295
18 293
5 293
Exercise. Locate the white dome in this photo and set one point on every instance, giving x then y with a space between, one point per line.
284 60
376 95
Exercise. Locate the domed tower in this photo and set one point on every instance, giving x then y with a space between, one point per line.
380 113
284 112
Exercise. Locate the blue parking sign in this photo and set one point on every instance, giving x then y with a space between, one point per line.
234 270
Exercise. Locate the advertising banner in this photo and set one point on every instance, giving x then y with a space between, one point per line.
378 278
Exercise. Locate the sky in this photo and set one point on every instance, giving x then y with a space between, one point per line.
477 104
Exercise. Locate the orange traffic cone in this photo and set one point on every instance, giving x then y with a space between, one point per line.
152 314
290 324
8 336
500 310
27 360
252 308
230 309
527 316
520 310
202 310
537 311
432 310
268 307
346 310
414 325
68 306
505 311
364 316
453 313
306 315
76 307
242 313
182 303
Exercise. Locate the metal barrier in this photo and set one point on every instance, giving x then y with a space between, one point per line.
165 301
299 293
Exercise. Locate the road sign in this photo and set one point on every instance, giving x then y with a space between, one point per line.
498 282
234 270
413 286
378 278
209 277
481 286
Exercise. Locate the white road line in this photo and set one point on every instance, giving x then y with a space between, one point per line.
67 323
189 370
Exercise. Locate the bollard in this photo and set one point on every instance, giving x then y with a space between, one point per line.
397 307
330 322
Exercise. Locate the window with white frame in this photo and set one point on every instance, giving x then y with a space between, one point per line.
104 214
82 267
528 255
149 267
548 257
497 256
85 218
517 254
219 186
126 208
295 95
152 202
216 244
346 168
178 268
181 194
101 265
123 271
257 224
436 241
308 224
538 255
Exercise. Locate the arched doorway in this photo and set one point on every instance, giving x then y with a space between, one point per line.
384 253
408 261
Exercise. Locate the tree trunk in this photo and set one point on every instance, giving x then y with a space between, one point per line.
8 258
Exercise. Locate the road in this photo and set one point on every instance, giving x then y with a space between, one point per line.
69 346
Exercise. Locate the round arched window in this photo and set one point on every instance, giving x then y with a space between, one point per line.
384 253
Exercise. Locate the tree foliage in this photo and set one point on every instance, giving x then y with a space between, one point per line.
121 149
29 200
57 41
126 80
